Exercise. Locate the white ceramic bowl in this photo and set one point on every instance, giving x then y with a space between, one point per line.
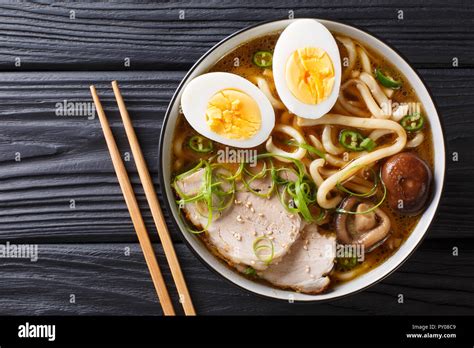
367 279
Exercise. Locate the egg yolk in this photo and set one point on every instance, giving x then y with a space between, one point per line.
310 75
233 114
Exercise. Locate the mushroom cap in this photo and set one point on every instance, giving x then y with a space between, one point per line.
408 181
368 230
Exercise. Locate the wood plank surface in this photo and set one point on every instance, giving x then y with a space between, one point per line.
105 281
98 36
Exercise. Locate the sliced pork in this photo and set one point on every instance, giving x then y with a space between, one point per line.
234 231
306 266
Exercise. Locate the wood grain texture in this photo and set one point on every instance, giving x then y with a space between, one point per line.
65 157
105 281
152 35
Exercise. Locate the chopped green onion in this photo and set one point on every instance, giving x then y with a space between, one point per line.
355 141
300 195
190 171
218 188
200 144
183 175
204 194
277 177
250 271
365 194
307 147
342 211
212 195
263 59
233 176
225 198
413 122
260 245
386 80
260 175
321 216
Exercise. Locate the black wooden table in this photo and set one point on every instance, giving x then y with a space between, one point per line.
58 188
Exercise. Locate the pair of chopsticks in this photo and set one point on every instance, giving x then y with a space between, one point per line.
134 209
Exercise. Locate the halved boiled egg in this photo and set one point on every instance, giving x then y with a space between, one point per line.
228 109
307 68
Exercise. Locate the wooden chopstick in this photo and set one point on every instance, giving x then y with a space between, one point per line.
156 212
134 210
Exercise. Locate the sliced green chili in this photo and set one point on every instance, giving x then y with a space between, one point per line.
355 141
263 59
413 122
386 80
200 144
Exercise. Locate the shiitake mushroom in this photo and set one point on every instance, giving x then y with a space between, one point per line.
408 181
369 227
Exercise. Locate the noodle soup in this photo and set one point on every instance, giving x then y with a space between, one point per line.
320 200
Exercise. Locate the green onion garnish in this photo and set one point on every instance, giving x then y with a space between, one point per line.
260 175
297 191
369 193
344 264
297 196
250 271
386 80
260 245
342 211
212 195
307 147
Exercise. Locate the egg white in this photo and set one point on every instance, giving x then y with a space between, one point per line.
200 90
299 34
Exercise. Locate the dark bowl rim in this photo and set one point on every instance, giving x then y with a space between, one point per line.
163 183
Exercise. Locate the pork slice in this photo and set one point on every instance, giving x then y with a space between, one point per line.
233 232
306 266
